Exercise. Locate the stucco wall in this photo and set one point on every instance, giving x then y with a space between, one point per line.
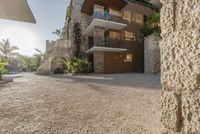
180 58
151 55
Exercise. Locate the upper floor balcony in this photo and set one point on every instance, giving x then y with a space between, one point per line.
107 45
106 20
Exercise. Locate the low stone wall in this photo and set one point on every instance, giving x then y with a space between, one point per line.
151 54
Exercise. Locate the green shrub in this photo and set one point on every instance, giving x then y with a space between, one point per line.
2 69
77 65
146 31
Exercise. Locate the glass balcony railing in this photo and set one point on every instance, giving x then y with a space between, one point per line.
114 43
106 16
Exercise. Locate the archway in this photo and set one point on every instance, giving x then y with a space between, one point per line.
57 65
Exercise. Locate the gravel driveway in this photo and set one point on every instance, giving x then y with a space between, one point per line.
93 104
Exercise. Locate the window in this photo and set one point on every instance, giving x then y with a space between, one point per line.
115 35
129 57
115 12
139 18
130 36
99 32
127 16
133 17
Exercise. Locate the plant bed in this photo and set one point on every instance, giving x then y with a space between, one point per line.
77 66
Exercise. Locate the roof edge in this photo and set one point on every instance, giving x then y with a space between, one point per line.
144 3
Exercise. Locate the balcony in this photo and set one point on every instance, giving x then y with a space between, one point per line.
106 20
107 45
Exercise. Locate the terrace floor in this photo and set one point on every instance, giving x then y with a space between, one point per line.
60 104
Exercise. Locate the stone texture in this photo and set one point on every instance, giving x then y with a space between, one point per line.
99 62
57 51
78 17
152 54
180 64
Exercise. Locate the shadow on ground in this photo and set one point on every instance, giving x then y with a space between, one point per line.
147 81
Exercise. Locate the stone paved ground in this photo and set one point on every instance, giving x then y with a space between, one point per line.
94 104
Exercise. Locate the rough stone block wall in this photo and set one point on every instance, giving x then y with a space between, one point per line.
78 17
151 55
180 65
56 50
99 62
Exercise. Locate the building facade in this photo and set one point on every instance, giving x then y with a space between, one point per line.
110 33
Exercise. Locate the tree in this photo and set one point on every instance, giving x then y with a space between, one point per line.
154 20
2 68
43 55
152 27
60 32
27 63
6 50
40 56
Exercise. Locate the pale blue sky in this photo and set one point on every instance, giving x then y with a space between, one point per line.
49 14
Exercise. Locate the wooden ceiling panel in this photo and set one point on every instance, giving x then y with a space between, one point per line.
88 5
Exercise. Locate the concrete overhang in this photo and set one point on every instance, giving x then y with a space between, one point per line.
106 49
18 10
105 24
88 5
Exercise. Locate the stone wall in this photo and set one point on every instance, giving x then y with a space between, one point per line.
180 65
57 51
78 17
99 62
151 55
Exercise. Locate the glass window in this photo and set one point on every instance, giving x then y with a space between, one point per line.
127 16
130 36
99 33
139 18
115 35
133 17
115 12
129 57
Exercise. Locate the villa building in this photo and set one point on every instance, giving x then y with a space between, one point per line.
110 33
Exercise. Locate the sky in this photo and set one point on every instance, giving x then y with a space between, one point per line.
50 15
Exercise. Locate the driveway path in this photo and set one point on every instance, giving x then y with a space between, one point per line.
94 104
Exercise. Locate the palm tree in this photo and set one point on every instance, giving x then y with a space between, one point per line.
43 55
6 50
40 56
154 20
60 32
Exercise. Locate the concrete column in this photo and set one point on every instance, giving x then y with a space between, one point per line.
99 62
180 65
151 55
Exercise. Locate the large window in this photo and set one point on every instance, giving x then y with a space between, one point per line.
99 32
133 17
130 36
115 35
114 12
139 18
127 16
129 57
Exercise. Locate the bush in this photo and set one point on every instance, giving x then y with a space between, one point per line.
77 65
2 69
146 31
